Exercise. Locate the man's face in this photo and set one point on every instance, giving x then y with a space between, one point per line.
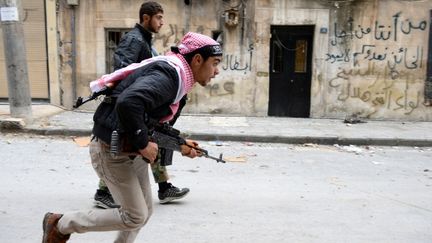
204 71
154 23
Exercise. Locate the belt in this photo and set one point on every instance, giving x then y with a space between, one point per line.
102 143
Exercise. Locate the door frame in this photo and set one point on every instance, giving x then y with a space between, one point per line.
275 103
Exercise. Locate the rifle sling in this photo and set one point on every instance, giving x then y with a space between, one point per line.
110 100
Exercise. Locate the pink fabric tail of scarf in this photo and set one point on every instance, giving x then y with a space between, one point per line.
112 78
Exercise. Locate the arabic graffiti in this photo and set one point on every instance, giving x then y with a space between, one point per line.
174 35
381 92
379 55
380 31
215 90
232 62
409 58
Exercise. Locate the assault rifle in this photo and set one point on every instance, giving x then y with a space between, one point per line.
165 136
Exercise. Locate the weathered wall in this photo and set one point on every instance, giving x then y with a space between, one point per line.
233 90
233 84
65 85
93 17
371 62
377 60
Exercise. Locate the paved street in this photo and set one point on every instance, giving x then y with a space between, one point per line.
281 193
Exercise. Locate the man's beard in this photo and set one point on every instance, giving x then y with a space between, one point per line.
153 30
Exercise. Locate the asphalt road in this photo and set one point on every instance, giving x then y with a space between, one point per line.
273 193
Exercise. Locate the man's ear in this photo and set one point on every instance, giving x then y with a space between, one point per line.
146 18
197 59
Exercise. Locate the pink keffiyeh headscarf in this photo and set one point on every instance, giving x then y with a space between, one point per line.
190 43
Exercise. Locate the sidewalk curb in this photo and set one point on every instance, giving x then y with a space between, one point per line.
330 140
323 140
58 132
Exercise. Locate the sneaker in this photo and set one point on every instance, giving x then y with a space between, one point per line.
103 199
50 231
172 193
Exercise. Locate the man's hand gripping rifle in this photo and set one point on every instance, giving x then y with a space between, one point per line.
167 137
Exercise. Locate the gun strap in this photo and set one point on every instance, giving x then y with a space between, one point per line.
109 100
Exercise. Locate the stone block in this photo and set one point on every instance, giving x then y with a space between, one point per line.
12 124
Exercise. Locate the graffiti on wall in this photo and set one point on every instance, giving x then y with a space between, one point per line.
174 35
385 61
232 62
401 58
378 92
379 31
226 88
214 90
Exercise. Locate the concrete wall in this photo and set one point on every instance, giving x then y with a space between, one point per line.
377 60
371 62
233 90
93 17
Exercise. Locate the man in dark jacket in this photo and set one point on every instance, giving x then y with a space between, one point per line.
154 89
135 47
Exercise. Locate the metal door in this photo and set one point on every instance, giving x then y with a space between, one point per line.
290 70
36 45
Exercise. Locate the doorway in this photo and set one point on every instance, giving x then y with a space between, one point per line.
290 71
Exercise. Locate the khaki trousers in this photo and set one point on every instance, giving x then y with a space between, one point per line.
128 182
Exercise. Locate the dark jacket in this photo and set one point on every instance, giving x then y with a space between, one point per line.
148 91
134 47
